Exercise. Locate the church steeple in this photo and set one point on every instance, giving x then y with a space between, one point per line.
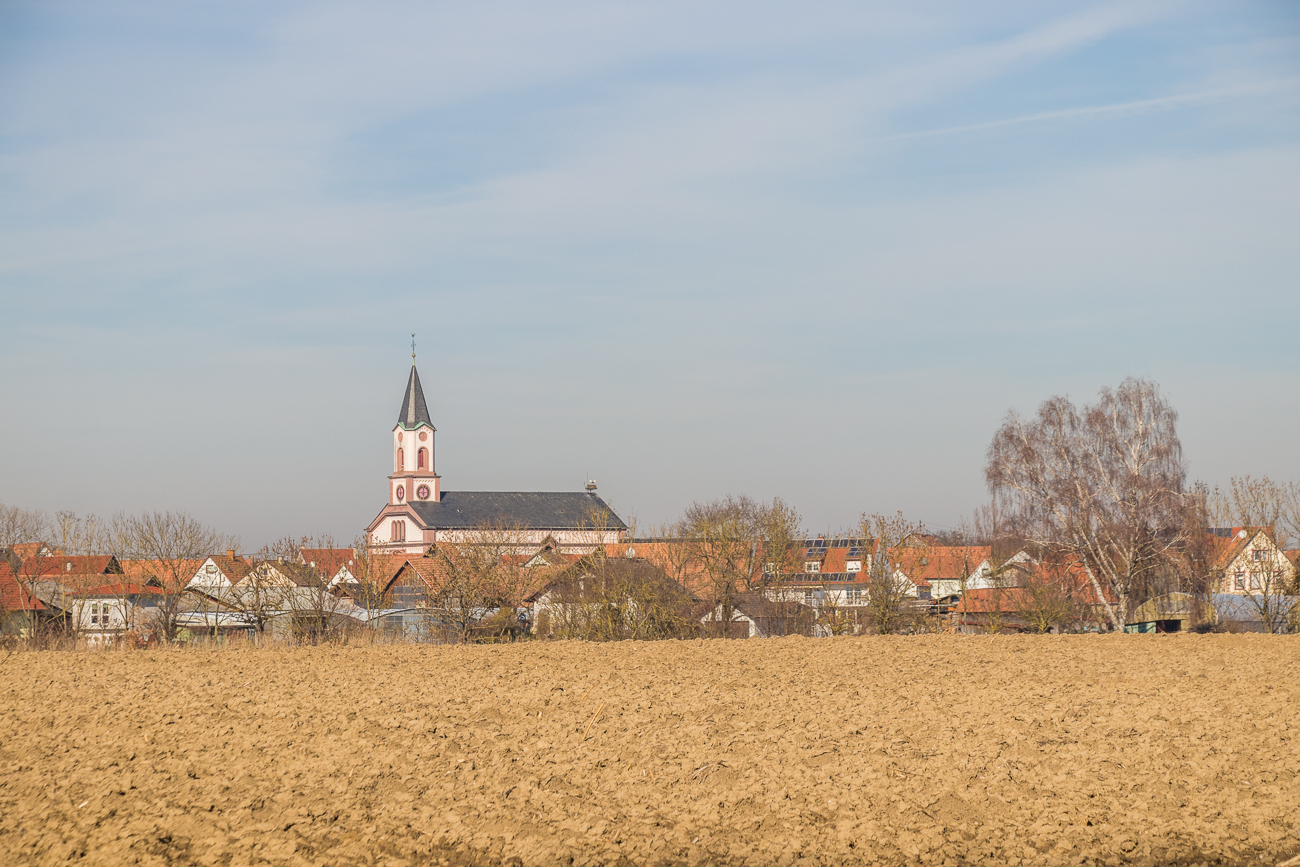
415 411
414 479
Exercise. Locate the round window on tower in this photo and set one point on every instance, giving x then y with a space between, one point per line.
401 493
422 492
399 436
424 435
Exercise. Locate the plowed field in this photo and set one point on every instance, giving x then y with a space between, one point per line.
936 750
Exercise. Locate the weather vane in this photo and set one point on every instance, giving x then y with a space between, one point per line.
413 347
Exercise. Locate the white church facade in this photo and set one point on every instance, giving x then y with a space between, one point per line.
420 513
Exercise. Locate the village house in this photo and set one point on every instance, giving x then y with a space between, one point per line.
756 615
1248 560
220 571
21 612
101 614
606 598
336 565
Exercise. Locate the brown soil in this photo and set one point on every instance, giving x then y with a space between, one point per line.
937 750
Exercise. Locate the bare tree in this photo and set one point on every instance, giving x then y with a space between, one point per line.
616 598
371 571
1100 486
19 526
1258 502
1265 575
890 606
77 536
1045 602
263 594
473 579
172 543
316 607
837 613
738 545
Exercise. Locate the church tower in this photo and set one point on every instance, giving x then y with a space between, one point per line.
413 479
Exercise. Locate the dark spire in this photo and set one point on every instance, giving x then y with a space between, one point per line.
414 409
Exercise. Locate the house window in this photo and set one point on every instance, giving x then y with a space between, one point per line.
812 566
1241 581
94 613
1258 554
853 566
807 597
399 531
1254 580
420 457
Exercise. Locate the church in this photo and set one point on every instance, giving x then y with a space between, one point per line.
419 512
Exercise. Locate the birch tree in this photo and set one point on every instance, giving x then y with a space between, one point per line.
1100 486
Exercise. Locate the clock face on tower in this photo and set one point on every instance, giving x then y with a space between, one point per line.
401 493
422 492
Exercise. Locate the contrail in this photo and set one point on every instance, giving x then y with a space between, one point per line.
1087 111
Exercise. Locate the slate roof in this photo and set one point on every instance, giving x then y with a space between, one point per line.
533 510
414 410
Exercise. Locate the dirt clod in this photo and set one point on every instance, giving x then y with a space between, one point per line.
932 750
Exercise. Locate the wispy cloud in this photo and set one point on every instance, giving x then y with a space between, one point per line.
657 221
1136 106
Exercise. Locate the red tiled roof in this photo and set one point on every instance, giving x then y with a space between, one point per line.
385 567
141 571
1005 600
234 568
835 560
1224 550
329 560
26 550
121 589
81 565
14 596
951 562
672 557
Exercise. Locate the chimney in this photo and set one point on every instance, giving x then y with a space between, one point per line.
230 552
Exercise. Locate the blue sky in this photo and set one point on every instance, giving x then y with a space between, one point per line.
814 251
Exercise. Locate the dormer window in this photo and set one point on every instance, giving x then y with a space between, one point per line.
812 566
853 566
